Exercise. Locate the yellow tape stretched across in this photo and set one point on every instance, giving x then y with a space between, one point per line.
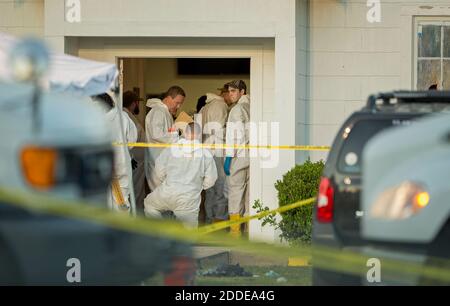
224 224
41 203
332 259
223 146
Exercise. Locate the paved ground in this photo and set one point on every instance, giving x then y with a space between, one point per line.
265 271
293 276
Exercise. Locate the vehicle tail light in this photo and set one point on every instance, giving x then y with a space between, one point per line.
325 201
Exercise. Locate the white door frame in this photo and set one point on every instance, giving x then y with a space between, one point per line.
111 53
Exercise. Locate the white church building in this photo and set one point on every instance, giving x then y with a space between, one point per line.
311 62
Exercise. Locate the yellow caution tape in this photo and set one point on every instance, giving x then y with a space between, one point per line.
356 263
224 224
328 258
222 146
42 203
117 192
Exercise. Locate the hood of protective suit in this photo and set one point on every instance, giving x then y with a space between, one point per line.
112 114
244 99
189 149
154 102
212 97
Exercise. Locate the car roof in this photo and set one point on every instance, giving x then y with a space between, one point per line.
392 105
409 102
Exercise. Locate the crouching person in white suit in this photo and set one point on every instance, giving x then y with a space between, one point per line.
183 172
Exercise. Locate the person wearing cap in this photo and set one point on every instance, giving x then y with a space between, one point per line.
131 107
214 118
237 161
226 96
160 128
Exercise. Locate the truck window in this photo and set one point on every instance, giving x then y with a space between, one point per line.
349 160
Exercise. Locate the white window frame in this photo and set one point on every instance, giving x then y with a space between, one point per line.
421 21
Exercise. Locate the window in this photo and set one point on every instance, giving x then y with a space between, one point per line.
432 54
349 160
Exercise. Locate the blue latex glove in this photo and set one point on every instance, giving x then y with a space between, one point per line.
226 165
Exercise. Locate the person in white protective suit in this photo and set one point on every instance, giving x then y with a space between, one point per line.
237 161
214 118
120 198
131 107
160 129
183 172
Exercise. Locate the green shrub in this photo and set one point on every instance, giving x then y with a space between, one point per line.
300 183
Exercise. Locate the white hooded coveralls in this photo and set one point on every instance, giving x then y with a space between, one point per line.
157 124
238 134
184 173
138 154
122 160
214 118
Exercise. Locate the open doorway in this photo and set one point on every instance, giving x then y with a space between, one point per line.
150 77
265 106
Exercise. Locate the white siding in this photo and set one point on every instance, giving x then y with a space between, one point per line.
22 18
351 58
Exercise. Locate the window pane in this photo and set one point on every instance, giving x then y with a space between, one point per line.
447 41
428 73
349 160
446 74
430 41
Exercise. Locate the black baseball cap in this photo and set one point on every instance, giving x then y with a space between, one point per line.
239 84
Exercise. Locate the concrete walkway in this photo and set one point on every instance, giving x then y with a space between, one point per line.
209 257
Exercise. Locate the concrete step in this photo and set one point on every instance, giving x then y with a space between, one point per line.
211 257
247 259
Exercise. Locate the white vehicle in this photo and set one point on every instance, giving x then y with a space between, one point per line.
53 138
406 194
60 144
68 154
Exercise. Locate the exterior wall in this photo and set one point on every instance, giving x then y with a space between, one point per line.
351 58
22 17
302 79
